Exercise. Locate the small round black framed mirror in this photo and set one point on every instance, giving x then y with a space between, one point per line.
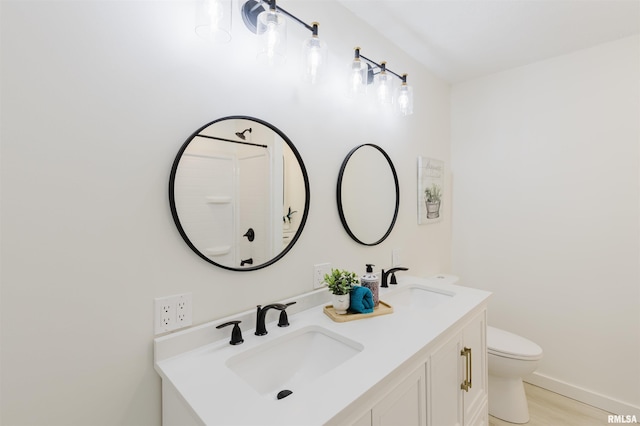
368 194
239 193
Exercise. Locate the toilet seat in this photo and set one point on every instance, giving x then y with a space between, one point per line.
509 345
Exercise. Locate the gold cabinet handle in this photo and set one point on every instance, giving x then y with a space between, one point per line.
466 384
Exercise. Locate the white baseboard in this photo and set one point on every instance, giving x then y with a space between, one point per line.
594 399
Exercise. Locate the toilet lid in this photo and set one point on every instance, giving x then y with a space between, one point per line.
503 343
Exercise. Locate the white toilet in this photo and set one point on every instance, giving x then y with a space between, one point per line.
510 358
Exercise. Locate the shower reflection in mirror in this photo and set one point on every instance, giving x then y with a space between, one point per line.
241 134
225 185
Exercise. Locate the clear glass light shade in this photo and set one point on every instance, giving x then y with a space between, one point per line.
404 99
357 78
384 87
314 59
213 20
272 30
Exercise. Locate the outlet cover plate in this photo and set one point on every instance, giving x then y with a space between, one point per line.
319 270
395 257
172 312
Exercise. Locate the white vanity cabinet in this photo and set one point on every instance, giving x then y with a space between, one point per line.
432 395
407 368
461 360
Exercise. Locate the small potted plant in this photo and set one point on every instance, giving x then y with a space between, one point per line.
340 284
432 196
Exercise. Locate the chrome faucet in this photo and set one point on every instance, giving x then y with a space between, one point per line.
393 280
261 313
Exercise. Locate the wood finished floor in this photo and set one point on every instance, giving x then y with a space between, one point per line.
547 408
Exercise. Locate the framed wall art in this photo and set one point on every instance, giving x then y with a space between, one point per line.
430 190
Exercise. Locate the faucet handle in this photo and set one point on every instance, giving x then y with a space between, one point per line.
236 333
284 320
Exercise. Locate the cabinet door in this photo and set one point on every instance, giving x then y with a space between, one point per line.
445 403
481 418
462 358
405 405
474 338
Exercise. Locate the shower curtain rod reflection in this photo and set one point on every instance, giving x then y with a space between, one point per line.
232 141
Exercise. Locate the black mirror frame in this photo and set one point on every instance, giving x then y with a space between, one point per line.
339 195
172 200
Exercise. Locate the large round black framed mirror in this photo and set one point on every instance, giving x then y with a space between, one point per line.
368 194
239 193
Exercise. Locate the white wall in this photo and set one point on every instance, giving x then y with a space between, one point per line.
97 98
545 171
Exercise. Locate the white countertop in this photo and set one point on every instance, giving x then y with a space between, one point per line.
196 367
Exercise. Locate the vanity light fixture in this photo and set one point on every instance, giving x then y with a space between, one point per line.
270 25
383 84
272 29
404 97
363 72
360 75
314 56
213 20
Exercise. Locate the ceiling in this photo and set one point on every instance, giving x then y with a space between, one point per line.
463 39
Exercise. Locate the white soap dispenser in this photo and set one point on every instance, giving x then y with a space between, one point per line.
372 282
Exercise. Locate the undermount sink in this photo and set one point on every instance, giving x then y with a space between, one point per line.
294 360
418 297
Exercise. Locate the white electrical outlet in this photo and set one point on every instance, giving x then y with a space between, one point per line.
319 271
166 315
395 257
183 310
172 312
